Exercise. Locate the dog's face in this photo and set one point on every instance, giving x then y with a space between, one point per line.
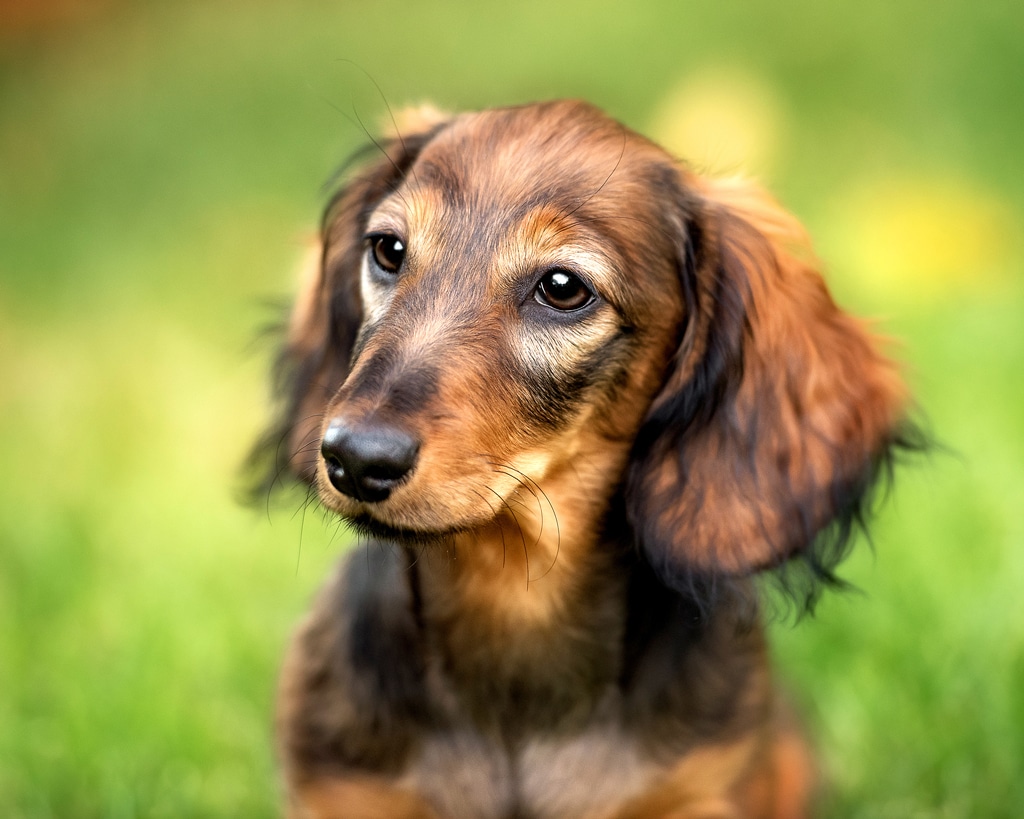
520 297
527 298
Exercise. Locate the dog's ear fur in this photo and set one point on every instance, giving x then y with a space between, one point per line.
777 413
327 314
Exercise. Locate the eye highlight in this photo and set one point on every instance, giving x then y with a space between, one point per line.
388 251
563 291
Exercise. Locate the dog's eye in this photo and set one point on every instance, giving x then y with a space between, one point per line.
388 252
563 291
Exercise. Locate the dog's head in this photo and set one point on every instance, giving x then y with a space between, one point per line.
509 300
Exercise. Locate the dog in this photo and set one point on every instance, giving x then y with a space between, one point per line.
577 402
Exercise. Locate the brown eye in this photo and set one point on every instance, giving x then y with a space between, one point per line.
563 291
388 252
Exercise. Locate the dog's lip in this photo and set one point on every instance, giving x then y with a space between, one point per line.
366 524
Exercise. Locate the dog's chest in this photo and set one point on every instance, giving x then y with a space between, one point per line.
466 775
533 724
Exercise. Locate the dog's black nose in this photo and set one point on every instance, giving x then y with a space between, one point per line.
366 463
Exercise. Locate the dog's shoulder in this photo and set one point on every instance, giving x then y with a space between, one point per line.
691 672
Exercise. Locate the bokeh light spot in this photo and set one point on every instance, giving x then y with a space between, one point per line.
722 121
923 240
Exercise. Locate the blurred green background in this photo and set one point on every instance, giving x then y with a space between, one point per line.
160 167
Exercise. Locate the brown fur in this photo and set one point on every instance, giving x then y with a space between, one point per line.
551 613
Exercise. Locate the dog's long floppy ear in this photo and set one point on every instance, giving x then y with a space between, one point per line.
328 312
777 413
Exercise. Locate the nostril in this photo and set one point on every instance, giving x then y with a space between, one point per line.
368 462
330 456
332 445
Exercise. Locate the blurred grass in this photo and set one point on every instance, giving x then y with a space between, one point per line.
158 168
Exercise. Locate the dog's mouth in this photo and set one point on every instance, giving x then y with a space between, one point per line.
406 508
381 520
367 525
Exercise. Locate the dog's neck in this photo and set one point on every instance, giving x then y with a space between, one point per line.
529 607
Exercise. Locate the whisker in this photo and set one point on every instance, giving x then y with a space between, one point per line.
522 535
528 482
356 121
518 476
302 528
391 116
283 463
309 500
494 514
540 531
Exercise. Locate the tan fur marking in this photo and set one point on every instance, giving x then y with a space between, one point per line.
357 798
518 570
700 786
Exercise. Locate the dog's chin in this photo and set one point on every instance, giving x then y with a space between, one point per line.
368 526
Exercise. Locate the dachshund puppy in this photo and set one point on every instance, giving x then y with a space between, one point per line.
573 399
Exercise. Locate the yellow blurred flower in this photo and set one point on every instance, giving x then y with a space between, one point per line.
923 239
721 121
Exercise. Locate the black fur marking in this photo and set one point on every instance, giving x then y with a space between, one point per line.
671 641
385 643
413 390
363 701
555 395
397 386
374 376
719 372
